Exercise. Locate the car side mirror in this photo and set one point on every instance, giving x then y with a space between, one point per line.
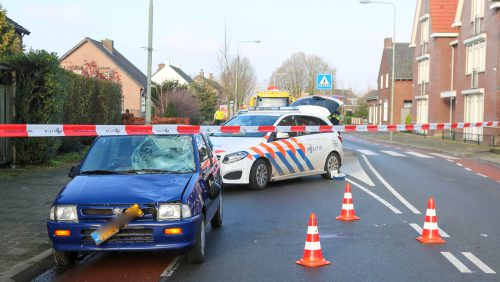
74 171
214 189
282 135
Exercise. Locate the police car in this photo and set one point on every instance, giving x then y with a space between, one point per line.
259 158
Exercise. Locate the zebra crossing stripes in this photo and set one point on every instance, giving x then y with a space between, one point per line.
392 153
419 155
367 152
472 258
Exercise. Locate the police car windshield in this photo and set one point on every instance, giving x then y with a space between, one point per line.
140 154
248 120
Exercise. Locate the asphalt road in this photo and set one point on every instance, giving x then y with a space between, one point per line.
264 232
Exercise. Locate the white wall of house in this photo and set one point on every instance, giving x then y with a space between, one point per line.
167 73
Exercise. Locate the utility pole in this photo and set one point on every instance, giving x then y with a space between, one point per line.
150 59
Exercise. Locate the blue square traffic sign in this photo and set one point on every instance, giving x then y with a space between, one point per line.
324 81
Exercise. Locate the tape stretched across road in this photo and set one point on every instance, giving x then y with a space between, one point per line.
55 130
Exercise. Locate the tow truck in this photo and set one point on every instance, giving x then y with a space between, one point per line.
273 97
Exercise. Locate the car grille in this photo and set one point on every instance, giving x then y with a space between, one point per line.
125 236
90 213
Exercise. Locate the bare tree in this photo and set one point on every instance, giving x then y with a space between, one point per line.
161 95
297 74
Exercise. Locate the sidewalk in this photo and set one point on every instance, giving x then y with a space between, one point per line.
464 150
26 197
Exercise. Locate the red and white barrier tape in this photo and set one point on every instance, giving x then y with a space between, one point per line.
54 130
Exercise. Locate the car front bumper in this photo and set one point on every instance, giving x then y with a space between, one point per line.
138 235
237 172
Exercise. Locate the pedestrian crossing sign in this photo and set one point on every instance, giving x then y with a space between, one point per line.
324 81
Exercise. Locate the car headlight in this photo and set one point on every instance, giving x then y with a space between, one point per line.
234 157
64 213
173 211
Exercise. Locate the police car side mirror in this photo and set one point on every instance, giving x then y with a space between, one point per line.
282 135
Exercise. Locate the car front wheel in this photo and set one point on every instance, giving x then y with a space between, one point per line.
332 163
197 253
259 175
64 258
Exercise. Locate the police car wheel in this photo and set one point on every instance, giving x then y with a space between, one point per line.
217 219
64 258
332 163
259 175
197 253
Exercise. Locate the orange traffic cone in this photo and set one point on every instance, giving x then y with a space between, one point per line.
430 234
313 256
347 213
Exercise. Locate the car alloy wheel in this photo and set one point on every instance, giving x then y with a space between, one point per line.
261 175
333 163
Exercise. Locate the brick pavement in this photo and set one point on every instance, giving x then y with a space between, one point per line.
25 199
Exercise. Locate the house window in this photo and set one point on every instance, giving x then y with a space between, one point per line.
387 80
473 112
381 82
422 112
423 71
477 9
386 109
476 57
407 104
424 35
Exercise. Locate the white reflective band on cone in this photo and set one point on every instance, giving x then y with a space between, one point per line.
313 246
431 212
347 196
347 207
431 225
312 229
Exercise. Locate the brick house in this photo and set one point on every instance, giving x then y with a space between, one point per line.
476 67
103 52
212 85
431 37
403 76
373 105
168 72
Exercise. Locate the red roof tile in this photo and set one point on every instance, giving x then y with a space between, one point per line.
442 14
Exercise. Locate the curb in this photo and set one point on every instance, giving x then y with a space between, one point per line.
455 154
30 268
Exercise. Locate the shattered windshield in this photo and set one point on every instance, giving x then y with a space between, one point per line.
141 154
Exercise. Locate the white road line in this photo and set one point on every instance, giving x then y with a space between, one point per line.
458 264
459 164
368 152
384 202
451 161
482 175
390 188
478 263
419 230
419 155
466 168
444 156
172 267
392 153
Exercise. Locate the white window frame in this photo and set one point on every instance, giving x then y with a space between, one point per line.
475 57
477 9
386 110
423 71
474 112
381 81
387 80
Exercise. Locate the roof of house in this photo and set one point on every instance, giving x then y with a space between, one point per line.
17 27
372 95
186 77
200 79
442 13
117 58
404 60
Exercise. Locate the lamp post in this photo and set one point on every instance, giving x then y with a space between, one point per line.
237 70
150 57
393 53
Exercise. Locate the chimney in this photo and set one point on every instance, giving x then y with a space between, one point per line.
202 73
160 66
211 76
108 44
388 42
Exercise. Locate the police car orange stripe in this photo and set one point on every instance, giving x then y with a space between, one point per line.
290 146
301 146
279 147
268 149
259 152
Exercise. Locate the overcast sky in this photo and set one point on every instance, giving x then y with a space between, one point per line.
347 34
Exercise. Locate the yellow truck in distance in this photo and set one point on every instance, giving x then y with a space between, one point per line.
273 97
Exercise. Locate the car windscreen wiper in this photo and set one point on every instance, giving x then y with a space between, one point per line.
154 171
101 171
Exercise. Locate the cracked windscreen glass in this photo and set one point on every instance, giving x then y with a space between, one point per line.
141 154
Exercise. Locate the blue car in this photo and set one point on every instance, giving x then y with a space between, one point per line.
175 180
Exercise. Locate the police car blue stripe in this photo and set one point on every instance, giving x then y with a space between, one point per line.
295 160
274 163
284 160
306 159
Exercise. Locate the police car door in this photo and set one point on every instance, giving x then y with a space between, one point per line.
317 145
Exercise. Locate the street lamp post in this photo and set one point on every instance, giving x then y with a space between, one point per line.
150 58
393 53
237 70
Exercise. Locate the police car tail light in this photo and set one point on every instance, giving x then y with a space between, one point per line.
234 157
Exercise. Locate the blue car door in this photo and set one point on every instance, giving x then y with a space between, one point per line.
205 168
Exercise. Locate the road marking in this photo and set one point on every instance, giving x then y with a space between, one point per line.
444 156
390 188
458 264
384 202
482 175
466 168
419 155
481 265
419 230
394 154
368 152
172 267
354 169
451 161
459 164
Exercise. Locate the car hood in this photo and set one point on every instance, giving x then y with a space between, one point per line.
124 189
225 145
